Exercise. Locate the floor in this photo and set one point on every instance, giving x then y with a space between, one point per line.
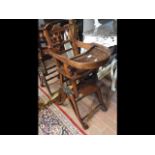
102 123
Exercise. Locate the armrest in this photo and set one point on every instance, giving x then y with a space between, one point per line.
88 46
83 65
59 57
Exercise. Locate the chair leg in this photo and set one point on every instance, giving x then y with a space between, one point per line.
47 86
76 110
42 83
71 103
43 71
99 96
62 96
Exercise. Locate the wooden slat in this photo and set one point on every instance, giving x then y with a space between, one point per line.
52 77
51 67
64 51
51 73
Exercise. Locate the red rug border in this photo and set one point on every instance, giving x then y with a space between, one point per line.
72 121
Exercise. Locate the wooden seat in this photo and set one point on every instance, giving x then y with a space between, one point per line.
78 74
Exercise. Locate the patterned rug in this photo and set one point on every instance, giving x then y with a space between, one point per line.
54 121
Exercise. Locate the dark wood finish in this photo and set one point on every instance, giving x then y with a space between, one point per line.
44 70
78 75
78 25
55 21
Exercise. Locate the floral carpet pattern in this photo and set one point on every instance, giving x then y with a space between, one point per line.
53 122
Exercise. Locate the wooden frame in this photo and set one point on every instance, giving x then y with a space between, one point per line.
79 68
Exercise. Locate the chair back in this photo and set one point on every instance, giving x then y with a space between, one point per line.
61 39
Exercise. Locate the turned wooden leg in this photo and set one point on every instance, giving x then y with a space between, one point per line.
76 110
42 72
71 103
47 86
42 83
99 96
62 96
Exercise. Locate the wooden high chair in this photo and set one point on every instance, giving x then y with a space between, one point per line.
77 72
